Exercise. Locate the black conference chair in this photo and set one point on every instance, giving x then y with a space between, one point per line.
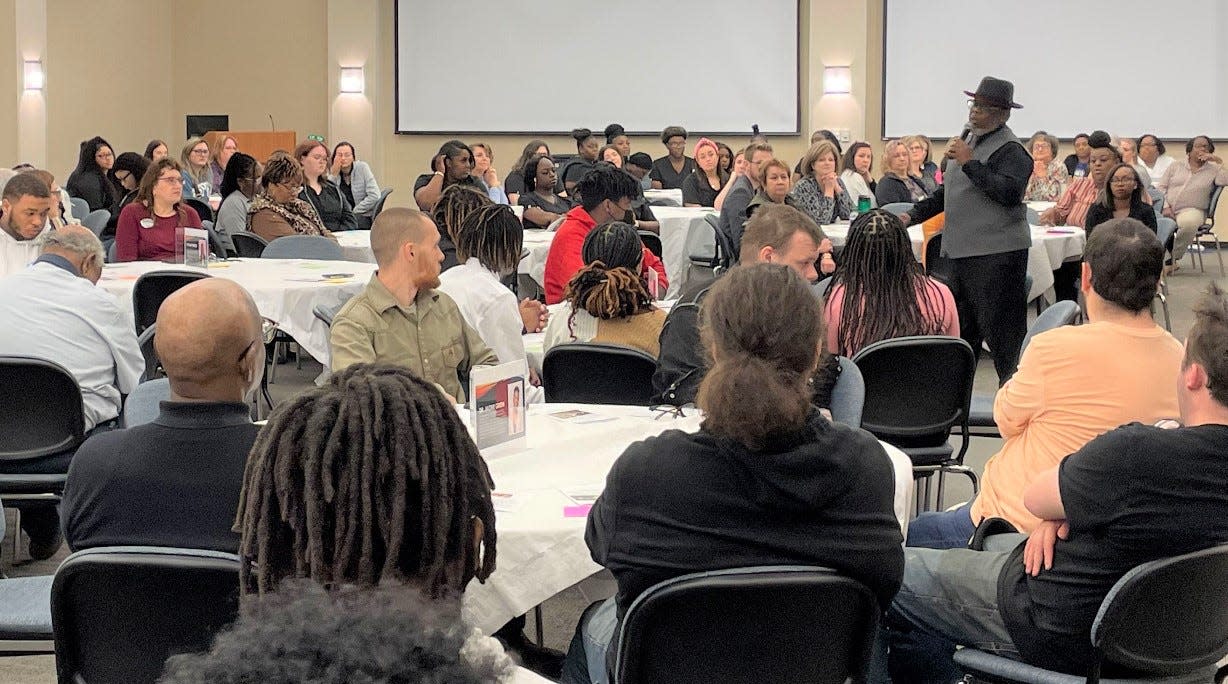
980 412
152 288
592 373
379 205
153 366
248 245
202 208
119 612
917 390
43 417
1207 231
848 397
652 241
326 313
933 256
25 616
1165 620
749 625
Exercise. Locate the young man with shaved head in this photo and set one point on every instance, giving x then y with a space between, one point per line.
402 318
175 482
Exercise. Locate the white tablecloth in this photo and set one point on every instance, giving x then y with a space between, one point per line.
665 198
540 551
285 290
1050 247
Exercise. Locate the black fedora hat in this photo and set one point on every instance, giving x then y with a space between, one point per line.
995 92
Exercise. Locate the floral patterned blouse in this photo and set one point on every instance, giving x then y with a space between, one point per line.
1047 188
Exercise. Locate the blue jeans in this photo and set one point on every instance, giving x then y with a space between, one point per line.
948 598
942 530
586 657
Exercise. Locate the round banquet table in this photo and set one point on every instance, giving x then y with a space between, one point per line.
1050 247
285 290
541 551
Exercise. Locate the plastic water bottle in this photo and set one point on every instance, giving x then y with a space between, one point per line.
863 205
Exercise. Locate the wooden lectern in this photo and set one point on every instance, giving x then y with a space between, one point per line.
259 144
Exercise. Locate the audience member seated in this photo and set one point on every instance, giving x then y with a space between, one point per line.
767 481
857 174
334 210
1152 155
279 211
1129 155
608 300
541 205
454 205
155 150
896 185
640 214
701 188
514 183
616 136
56 218
820 192
1049 176
1187 185
575 168
197 176
639 165
488 243
483 168
304 633
1132 495
740 191
725 158
1074 383
774 185
881 292
146 227
1071 208
1078 164
24 211
1121 197
606 195
777 234
451 165
89 180
126 176
610 155
670 171
239 186
402 318
919 163
53 311
356 181
175 482
219 158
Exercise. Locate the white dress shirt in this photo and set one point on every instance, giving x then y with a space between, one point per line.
488 307
1157 170
857 187
50 313
16 254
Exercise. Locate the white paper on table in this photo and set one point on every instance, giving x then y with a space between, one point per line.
579 417
506 502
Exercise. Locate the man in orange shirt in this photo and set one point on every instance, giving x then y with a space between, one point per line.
1075 383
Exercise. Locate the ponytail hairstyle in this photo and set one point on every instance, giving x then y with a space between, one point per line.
763 328
610 285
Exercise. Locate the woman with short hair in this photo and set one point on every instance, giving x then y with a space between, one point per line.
333 208
483 167
820 193
279 210
775 182
897 185
1049 176
1153 155
670 171
514 183
356 182
239 186
919 164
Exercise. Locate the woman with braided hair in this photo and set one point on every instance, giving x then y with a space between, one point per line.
371 477
454 204
608 300
879 290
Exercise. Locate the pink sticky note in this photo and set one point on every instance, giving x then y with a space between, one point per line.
577 511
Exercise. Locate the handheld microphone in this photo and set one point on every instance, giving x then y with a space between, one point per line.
271 124
966 136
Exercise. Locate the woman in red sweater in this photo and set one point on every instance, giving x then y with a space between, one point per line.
146 228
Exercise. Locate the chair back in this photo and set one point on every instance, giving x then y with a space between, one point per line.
141 406
215 241
767 624
303 247
700 245
652 241
1215 195
202 209
111 252
933 254
897 207
1168 616
554 225
119 612
1033 217
848 397
593 373
1062 313
96 220
152 288
917 388
44 414
726 253
248 245
326 313
153 365
80 208
379 204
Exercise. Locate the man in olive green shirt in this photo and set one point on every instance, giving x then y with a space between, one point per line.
401 318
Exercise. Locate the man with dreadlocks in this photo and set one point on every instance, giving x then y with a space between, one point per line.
880 291
456 202
401 318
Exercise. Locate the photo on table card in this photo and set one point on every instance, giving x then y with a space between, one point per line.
497 403
192 247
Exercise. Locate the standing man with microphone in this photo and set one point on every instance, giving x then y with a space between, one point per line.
986 239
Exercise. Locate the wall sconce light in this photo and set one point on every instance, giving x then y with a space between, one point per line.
351 80
837 80
35 79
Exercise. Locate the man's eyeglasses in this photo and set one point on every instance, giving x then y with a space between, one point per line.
973 105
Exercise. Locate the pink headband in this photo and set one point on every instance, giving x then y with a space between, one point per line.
702 142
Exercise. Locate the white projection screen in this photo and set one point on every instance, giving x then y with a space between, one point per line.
1126 67
549 66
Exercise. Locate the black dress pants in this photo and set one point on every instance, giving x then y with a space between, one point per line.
991 297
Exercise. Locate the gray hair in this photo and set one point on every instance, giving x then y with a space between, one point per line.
80 242
1041 135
